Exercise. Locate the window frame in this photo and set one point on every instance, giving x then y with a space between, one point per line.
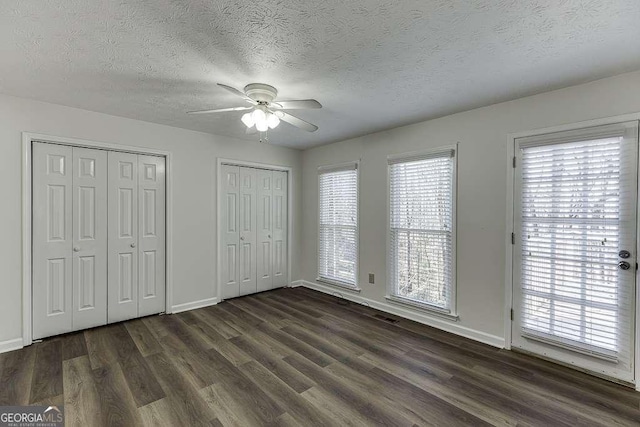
335 168
450 313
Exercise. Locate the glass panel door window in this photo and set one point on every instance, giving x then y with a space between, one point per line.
574 260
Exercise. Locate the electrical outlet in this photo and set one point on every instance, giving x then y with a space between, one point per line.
371 278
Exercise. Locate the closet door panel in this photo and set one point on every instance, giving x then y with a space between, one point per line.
89 238
280 229
230 231
123 236
248 216
264 245
52 239
151 231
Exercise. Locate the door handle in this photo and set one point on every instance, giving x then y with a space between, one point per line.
624 254
624 265
241 237
76 249
133 245
269 236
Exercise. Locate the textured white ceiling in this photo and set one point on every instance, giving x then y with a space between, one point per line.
373 64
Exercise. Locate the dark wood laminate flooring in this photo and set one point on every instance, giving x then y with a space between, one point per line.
299 357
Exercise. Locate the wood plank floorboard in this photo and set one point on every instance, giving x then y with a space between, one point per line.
297 357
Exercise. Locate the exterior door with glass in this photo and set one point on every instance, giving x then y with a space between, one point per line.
574 265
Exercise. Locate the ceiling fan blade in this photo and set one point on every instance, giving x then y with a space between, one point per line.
219 110
237 92
299 104
295 121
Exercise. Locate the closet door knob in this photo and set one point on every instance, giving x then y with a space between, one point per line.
76 249
133 245
269 236
241 237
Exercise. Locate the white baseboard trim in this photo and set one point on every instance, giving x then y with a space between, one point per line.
193 305
10 345
296 283
408 313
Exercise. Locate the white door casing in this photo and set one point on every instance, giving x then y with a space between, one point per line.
123 237
89 238
264 230
230 231
151 235
280 222
617 232
248 220
52 240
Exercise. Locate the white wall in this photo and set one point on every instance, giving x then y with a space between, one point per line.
194 184
482 170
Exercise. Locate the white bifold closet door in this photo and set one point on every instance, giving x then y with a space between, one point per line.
229 231
136 236
123 236
248 217
253 230
69 239
279 236
151 232
98 237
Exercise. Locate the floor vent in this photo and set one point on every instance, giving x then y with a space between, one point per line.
385 318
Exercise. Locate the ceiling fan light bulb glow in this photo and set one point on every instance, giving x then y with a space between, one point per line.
258 116
247 119
272 120
262 126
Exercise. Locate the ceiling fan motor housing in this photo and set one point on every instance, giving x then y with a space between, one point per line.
260 92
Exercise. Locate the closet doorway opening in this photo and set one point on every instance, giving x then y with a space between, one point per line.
254 227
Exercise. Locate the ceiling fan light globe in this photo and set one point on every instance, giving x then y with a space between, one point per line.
247 119
258 116
272 120
262 126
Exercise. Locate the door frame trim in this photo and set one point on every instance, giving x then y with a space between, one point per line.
510 212
235 162
27 142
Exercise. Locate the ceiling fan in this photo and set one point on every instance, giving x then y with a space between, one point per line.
265 112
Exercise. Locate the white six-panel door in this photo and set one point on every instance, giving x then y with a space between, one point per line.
279 236
123 236
264 230
89 238
52 240
229 231
253 230
248 220
151 232
98 237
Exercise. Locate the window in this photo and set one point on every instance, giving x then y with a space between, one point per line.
422 234
338 225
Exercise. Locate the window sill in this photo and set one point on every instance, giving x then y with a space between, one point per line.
339 285
423 307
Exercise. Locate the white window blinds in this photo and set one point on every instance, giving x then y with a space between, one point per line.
577 207
421 197
338 224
